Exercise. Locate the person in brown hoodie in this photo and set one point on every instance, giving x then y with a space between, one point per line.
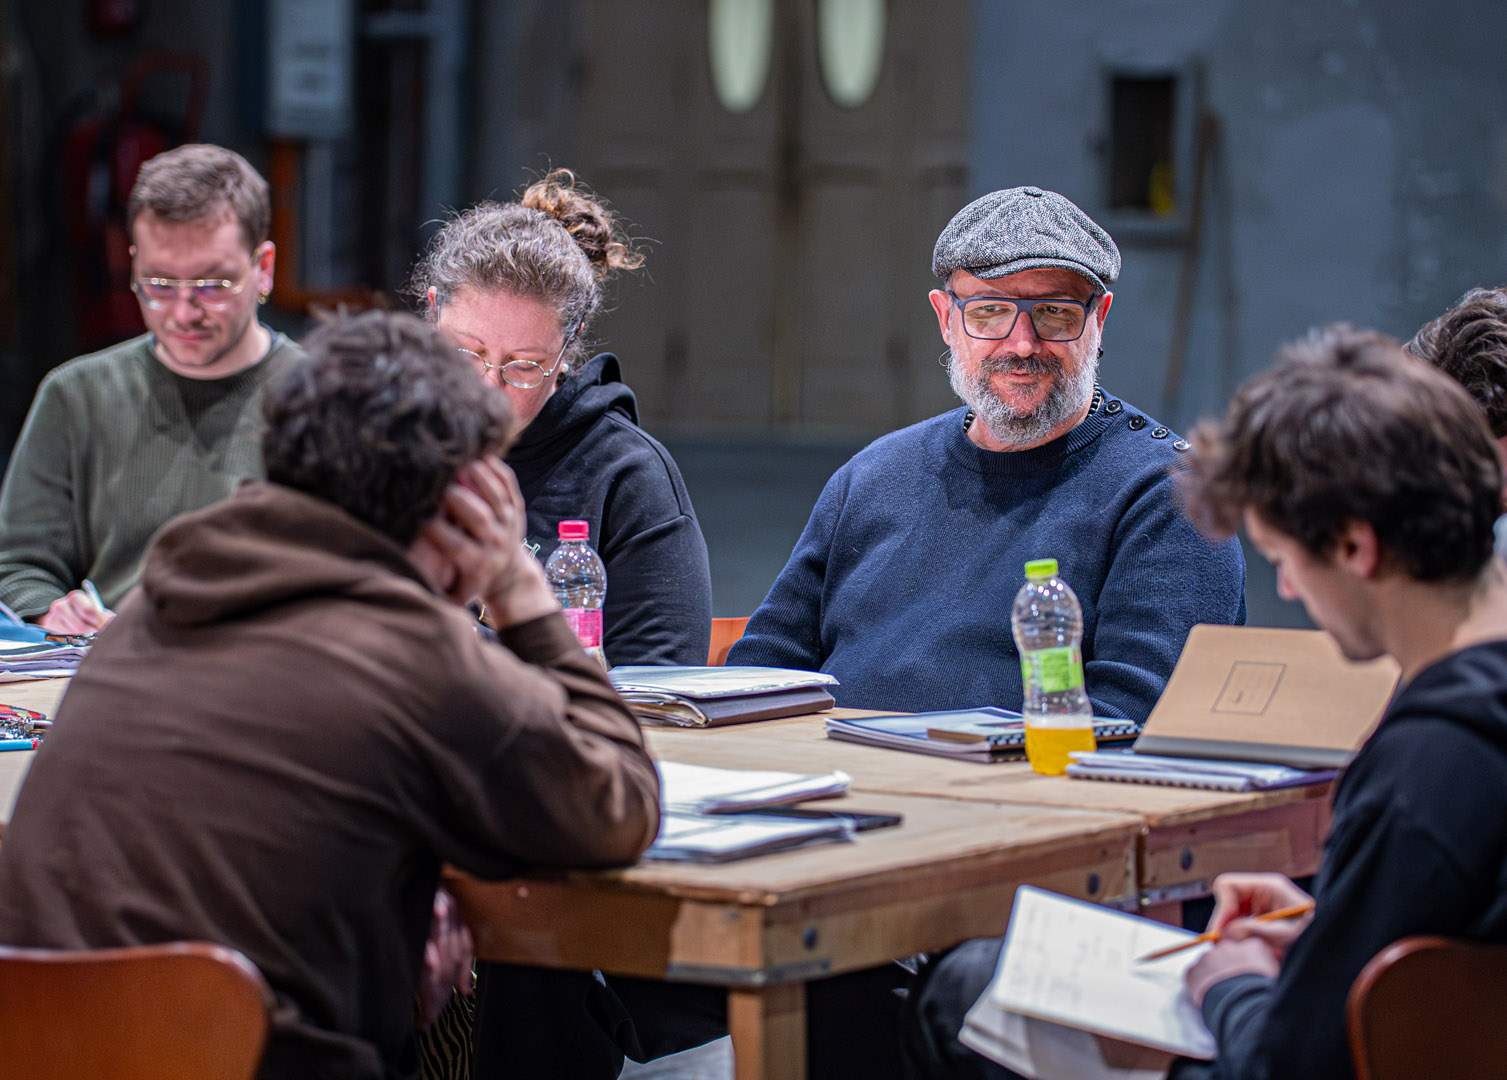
293 724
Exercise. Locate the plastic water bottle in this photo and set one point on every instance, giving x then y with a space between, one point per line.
579 579
1047 622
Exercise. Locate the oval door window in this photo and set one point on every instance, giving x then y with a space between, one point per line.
850 44
740 37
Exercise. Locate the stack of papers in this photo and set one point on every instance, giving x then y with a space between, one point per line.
1215 775
982 734
711 696
722 837
704 790
38 660
1072 1001
700 820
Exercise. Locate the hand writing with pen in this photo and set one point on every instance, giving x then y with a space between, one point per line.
80 611
1247 943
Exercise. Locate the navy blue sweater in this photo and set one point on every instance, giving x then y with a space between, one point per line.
902 583
1417 845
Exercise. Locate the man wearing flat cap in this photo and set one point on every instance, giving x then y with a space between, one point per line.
902 583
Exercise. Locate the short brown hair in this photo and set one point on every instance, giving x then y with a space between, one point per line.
556 244
379 418
197 181
1346 428
1469 344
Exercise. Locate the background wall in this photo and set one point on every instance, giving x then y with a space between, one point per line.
1319 160
1359 171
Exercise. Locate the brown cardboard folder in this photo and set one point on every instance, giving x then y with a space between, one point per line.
1263 694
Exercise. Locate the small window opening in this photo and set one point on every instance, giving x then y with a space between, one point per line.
1141 151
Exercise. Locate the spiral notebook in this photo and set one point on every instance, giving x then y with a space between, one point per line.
983 734
1134 768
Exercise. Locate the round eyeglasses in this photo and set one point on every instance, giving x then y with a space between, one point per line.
992 318
523 374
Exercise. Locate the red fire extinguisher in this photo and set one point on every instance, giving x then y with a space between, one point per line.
100 157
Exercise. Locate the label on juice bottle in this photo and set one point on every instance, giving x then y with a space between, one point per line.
1058 669
587 623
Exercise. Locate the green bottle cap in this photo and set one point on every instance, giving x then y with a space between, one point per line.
1041 568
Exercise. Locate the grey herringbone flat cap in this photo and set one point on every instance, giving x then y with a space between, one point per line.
1025 228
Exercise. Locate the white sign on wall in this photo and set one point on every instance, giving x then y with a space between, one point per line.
310 68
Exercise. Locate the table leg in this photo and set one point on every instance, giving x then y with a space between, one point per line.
768 1026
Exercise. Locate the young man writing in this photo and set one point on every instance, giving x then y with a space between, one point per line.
120 441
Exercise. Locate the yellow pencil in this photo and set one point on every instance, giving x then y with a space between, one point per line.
1213 935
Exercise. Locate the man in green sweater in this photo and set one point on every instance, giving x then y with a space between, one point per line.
120 441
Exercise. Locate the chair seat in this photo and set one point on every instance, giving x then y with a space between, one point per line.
177 1011
725 633
1430 1006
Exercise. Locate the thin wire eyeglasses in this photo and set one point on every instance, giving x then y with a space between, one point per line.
992 318
212 294
523 374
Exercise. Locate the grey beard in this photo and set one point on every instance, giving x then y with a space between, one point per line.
1016 429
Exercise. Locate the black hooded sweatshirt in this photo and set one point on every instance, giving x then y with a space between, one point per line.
584 456
1417 845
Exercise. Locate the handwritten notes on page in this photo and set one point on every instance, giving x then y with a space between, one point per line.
1074 963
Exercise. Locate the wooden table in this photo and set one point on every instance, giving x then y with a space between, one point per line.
43 696
1188 836
764 927
973 832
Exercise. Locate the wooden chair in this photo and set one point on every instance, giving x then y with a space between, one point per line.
179 1011
724 633
1430 1006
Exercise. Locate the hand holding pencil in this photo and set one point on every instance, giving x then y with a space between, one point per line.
1247 943
1290 912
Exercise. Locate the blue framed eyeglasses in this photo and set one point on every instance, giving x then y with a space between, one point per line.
992 318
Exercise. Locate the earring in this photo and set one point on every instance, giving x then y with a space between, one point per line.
262 299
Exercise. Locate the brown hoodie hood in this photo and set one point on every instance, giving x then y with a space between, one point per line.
252 552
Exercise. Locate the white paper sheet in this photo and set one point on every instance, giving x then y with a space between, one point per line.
1074 963
703 789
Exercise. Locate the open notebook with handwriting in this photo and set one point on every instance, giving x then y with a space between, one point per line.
1071 1001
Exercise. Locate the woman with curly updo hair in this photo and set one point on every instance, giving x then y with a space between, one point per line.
518 285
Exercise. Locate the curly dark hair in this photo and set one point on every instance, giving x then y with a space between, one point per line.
1469 344
1344 427
379 418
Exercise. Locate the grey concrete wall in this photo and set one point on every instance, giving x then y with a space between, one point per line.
1360 172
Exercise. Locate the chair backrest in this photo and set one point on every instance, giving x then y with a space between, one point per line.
1430 1006
725 631
178 1011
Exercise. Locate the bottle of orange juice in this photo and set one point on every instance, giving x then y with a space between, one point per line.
1047 622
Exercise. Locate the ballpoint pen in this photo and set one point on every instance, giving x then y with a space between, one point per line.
1213 935
93 594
